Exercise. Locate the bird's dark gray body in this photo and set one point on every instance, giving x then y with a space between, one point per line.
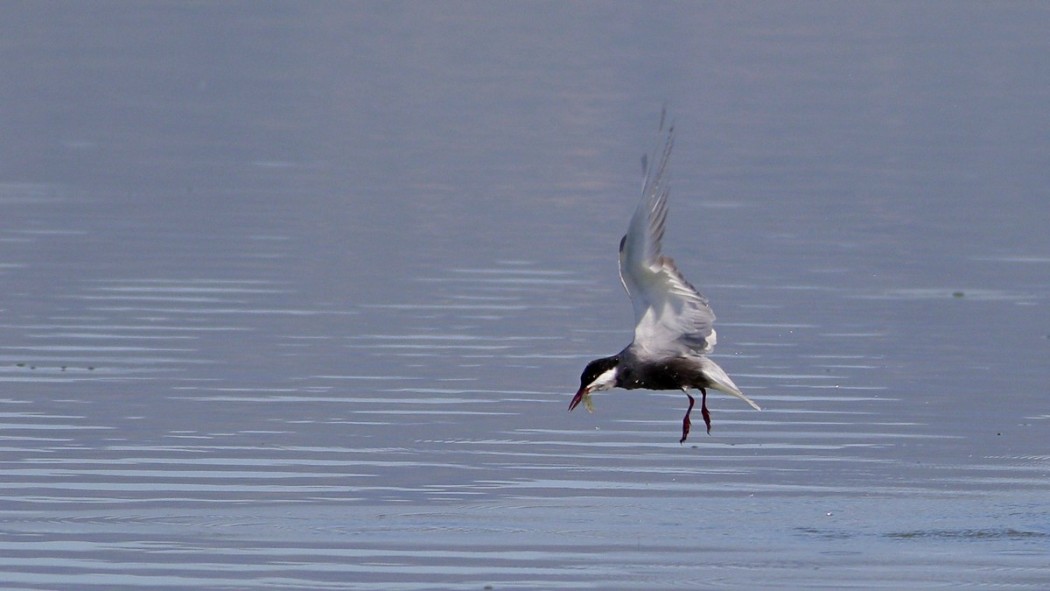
673 373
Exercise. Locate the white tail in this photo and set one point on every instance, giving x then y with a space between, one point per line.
721 381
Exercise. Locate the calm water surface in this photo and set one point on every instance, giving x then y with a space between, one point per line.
296 295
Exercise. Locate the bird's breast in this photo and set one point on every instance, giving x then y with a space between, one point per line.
672 374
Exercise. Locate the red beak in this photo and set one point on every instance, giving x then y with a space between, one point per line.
577 398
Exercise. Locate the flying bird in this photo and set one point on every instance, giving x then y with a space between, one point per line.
674 325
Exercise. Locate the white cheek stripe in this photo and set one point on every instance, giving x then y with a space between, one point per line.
605 381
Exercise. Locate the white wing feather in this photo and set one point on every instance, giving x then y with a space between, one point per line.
671 316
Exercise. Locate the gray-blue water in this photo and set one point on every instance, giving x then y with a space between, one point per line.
295 295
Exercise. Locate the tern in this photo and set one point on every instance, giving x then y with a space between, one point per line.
674 325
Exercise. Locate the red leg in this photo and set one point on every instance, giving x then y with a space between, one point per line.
704 411
686 423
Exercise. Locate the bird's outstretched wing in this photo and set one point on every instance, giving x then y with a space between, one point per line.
670 315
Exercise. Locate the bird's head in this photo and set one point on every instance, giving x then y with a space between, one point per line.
599 375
